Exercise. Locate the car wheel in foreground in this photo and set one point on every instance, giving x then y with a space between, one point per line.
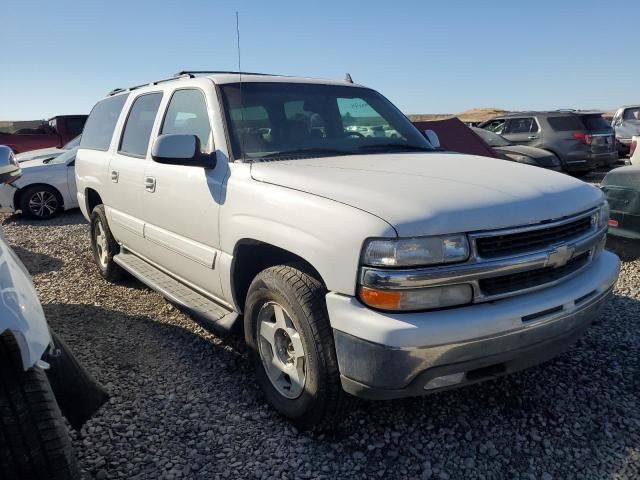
104 246
291 346
40 202
34 442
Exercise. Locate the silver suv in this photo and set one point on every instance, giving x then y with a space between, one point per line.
626 123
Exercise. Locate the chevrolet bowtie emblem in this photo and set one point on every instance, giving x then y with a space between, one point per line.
560 256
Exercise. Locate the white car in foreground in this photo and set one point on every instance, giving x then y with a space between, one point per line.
47 186
371 266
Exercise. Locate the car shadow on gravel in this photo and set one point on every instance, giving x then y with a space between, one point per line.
68 217
38 263
180 392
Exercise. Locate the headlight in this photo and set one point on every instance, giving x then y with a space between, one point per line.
411 252
417 299
521 158
601 217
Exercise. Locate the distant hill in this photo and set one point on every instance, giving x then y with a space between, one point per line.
473 115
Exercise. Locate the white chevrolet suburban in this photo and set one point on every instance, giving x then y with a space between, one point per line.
376 266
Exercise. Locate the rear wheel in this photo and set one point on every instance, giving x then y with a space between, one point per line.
291 345
40 202
34 442
104 246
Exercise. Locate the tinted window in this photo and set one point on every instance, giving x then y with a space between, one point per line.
631 114
522 125
187 115
137 130
566 123
595 122
75 126
102 122
280 119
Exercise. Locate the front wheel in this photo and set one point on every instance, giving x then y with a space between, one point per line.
34 442
291 346
40 202
104 246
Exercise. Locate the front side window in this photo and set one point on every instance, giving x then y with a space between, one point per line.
101 123
187 115
495 126
137 130
276 119
522 125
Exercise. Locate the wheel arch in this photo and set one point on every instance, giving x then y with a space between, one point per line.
92 199
17 196
251 256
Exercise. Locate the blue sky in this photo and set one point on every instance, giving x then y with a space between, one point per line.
428 57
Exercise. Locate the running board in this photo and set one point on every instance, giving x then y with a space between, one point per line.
212 314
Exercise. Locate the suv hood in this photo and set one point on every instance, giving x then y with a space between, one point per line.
435 193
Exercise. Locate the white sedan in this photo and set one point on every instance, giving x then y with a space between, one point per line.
47 186
50 152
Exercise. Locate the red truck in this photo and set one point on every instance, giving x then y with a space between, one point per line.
54 132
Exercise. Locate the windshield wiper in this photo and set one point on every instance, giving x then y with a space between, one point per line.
302 152
399 146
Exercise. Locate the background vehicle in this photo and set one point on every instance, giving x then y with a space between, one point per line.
54 132
368 266
626 123
48 152
622 189
34 442
581 140
519 153
47 186
634 150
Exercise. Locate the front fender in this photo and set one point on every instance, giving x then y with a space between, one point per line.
20 309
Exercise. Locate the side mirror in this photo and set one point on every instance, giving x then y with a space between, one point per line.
178 149
10 169
432 137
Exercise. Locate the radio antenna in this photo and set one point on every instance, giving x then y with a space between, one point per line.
242 135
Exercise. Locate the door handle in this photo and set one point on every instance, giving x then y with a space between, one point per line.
532 137
150 184
114 176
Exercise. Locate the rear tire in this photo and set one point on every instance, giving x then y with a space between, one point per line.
34 442
40 202
310 394
104 246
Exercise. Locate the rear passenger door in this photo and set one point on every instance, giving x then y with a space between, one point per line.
183 201
125 210
522 130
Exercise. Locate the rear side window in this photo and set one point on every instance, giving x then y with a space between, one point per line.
595 123
566 123
522 125
101 123
187 115
137 130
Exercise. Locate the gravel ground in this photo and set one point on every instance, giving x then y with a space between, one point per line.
185 405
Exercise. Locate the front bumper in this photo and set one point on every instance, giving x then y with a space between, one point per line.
383 356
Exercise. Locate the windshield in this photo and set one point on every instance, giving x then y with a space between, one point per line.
65 157
72 143
490 138
299 119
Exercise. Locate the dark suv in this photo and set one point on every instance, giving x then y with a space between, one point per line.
581 140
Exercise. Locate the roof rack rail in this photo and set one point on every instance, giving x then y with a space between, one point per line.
128 89
193 73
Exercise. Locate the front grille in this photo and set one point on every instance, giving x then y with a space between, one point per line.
514 243
533 278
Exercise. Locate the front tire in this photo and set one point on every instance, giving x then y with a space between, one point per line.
291 347
34 442
104 246
40 202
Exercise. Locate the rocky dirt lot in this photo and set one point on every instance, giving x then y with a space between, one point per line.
185 405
